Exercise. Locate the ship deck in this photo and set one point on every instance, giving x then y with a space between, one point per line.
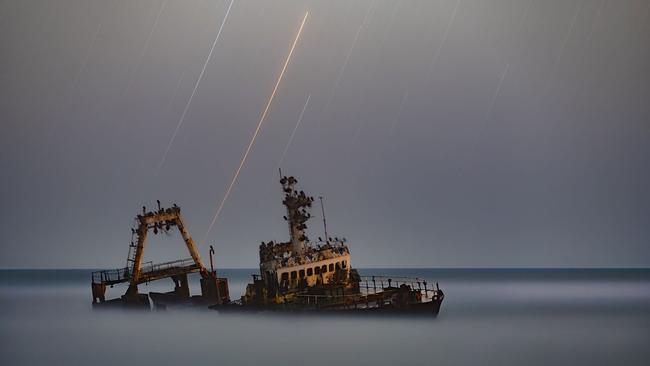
149 272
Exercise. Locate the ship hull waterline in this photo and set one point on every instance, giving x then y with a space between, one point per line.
428 309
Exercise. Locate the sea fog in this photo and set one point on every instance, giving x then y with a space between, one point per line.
489 317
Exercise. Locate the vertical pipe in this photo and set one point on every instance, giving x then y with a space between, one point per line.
214 274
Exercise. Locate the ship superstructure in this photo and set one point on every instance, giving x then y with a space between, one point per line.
300 266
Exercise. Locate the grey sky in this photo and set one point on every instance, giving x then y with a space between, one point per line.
545 165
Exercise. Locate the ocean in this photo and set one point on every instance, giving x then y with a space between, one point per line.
489 317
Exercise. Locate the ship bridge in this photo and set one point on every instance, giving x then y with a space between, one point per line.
300 263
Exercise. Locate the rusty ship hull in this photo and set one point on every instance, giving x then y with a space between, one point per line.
427 309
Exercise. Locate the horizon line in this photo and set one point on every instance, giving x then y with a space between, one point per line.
371 267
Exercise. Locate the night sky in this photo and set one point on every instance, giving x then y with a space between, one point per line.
441 133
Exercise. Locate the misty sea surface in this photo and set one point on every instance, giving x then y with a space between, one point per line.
489 317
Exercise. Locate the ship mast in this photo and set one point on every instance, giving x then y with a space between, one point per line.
322 207
296 204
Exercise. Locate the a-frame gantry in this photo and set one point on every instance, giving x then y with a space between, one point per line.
212 288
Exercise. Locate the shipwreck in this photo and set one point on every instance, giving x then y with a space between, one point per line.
299 275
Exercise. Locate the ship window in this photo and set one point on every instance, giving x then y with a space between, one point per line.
294 275
285 276
331 267
317 270
323 269
302 273
338 265
309 272
344 264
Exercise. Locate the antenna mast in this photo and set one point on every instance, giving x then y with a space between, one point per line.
324 221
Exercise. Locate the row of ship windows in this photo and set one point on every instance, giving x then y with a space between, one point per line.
316 270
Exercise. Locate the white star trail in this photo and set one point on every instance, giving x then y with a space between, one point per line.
548 85
87 56
442 42
293 133
567 36
143 51
196 86
525 13
488 112
594 23
399 114
391 22
347 58
175 92
257 129
340 75
497 91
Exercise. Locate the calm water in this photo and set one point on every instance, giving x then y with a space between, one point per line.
490 317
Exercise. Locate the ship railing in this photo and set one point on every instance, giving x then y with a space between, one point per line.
331 244
373 284
111 276
372 294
